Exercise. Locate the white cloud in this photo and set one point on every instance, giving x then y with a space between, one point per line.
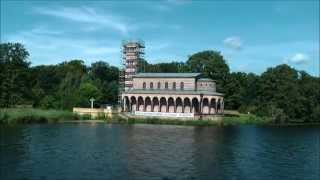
298 58
87 15
233 42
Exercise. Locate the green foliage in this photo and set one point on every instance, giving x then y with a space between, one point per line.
48 102
235 88
87 91
105 78
315 115
212 64
246 119
30 115
14 75
281 93
172 67
104 72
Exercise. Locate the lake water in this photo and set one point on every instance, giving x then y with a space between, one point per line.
104 151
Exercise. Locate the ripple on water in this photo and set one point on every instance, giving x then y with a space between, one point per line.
100 151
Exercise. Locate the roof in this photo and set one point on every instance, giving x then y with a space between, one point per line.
167 75
171 92
206 79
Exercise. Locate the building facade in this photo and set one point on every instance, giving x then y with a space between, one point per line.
172 94
165 94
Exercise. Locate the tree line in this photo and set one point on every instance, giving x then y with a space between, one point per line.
280 92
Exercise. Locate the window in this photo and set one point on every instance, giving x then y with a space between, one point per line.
144 85
174 85
151 85
181 85
159 85
166 85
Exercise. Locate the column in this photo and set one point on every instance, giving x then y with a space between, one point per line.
209 106
182 105
137 103
216 108
124 104
201 106
222 107
167 105
152 106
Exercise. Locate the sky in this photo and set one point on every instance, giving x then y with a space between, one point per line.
251 35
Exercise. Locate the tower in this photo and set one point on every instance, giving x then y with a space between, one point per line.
132 52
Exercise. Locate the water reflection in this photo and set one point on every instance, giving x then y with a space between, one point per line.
14 149
103 151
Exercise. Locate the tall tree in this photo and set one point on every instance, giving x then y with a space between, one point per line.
14 84
279 89
103 71
105 77
212 64
71 74
235 89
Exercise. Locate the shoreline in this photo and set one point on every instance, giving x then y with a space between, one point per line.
181 123
38 116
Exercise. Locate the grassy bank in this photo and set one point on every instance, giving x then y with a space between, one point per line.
30 115
242 119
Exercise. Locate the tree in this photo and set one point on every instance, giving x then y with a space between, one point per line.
172 67
14 75
235 89
212 64
86 91
315 115
279 86
104 72
281 93
71 74
105 78
309 96
45 82
110 92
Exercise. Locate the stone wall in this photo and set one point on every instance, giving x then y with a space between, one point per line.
94 113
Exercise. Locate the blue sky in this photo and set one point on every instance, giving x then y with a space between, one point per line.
250 35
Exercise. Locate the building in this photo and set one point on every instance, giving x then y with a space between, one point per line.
132 52
168 94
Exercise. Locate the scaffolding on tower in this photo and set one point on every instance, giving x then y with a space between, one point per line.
132 55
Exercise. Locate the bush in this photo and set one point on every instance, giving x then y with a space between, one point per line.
279 117
315 116
30 115
245 109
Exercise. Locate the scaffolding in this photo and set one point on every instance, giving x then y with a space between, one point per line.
132 53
